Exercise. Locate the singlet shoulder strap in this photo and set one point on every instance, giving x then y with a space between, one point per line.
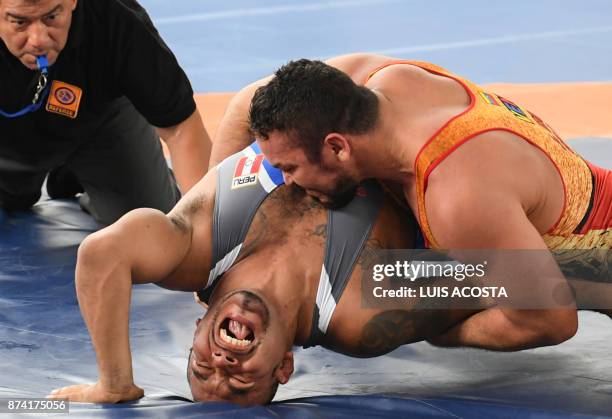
348 230
244 180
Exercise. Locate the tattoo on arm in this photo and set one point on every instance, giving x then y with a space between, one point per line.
389 329
593 265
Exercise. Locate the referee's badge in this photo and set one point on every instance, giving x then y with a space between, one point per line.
64 99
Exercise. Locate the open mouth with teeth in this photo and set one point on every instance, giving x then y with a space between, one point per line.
236 333
240 322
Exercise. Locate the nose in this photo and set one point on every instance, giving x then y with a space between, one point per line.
223 359
38 36
287 178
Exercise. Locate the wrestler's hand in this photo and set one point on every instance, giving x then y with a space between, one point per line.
96 393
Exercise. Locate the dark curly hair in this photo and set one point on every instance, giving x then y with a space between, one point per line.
308 100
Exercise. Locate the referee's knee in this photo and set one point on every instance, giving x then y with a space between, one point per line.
11 202
107 211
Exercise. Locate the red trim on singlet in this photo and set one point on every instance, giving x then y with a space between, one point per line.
463 141
600 217
239 167
455 146
466 110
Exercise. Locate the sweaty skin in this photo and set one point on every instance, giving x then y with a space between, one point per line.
258 311
280 264
496 191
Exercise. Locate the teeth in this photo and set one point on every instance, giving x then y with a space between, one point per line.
233 341
238 329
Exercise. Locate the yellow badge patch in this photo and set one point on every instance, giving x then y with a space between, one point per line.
64 99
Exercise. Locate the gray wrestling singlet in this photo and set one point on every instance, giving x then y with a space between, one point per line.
244 181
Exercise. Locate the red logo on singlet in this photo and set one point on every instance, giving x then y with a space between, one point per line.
246 171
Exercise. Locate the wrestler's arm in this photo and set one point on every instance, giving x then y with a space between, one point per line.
233 132
490 217
375 328
144 246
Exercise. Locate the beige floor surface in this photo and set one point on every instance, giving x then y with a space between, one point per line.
573 109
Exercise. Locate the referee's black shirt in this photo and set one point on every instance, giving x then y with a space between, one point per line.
112 51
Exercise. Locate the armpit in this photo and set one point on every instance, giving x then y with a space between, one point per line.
179 222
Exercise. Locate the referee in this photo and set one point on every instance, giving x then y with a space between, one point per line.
86 89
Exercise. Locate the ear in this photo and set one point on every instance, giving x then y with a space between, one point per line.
285 369
73 5
338 145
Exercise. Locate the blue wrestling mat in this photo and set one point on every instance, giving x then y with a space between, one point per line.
223 46
44 345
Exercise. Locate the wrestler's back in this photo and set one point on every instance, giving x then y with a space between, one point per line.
420 103
440 99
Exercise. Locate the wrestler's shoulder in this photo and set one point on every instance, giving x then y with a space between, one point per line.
359 66
397 76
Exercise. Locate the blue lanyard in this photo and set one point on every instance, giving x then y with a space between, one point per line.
41 90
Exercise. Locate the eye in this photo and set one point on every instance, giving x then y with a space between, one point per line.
202 365
239 384
201 372
18 22
205 367
51 18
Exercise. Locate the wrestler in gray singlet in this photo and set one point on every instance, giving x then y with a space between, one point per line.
244 180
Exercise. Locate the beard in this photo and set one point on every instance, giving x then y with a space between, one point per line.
342 194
